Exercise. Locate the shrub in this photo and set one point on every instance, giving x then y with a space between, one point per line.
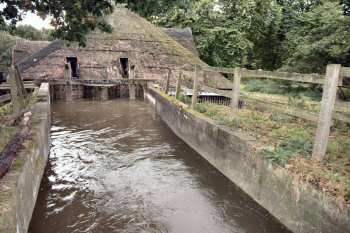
184 98
201 108
288 148
264 86
294 90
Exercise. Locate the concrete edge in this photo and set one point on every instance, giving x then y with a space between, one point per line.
20 187
294 203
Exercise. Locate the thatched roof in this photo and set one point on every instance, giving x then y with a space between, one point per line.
26 48
23 49
40 54
150 49
183 36
130 26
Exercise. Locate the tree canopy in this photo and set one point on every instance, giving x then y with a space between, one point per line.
296 35
31 33
71 19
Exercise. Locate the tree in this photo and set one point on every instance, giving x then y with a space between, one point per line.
156 8
71 19
219 41
267 34
30 33
322 36
346 7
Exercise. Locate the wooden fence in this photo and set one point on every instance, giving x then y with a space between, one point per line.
331 81
5 98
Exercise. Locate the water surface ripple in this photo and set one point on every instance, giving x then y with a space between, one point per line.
116 167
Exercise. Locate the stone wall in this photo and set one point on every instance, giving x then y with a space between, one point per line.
19 188
297 205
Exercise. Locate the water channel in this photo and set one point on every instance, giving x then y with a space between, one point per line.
115 167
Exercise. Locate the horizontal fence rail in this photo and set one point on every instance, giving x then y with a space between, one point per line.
294 77
345 72
5 98
27 85
330 109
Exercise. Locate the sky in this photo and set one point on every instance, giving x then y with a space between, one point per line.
35 21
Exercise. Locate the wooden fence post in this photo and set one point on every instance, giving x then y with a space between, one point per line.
167 82
330 88
178 86
195 88
236 89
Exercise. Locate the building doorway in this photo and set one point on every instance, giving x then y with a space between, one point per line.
2 77
73 61
124 64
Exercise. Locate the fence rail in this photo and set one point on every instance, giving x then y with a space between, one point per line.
5 98
331 81
345 72
27 85
294 77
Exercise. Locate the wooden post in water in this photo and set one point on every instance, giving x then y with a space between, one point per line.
329 95
236 89
132 91
178 86
104 94
68 92
195 88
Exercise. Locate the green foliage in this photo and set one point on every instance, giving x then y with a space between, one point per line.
302 36
6 44
30 33
264 86
321 36
184 98
72 19
201 108
153 8
6 134
281 118
295 91
299 35
295 145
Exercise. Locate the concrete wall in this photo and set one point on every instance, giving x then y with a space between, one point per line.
19 188
297 205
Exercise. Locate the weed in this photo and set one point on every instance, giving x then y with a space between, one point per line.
281 118
184 98
289 141
284 87
277 155
298 101
288 148
201 108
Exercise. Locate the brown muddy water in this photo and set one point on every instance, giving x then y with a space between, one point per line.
116 167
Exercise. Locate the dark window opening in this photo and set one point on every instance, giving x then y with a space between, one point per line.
2 77
73 61
124 63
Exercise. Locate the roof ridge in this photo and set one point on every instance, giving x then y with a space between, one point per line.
39 55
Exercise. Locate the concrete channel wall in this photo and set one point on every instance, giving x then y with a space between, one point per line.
20 186
297 205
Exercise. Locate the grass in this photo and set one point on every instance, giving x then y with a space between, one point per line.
185 99
281 87
6 134
288 142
